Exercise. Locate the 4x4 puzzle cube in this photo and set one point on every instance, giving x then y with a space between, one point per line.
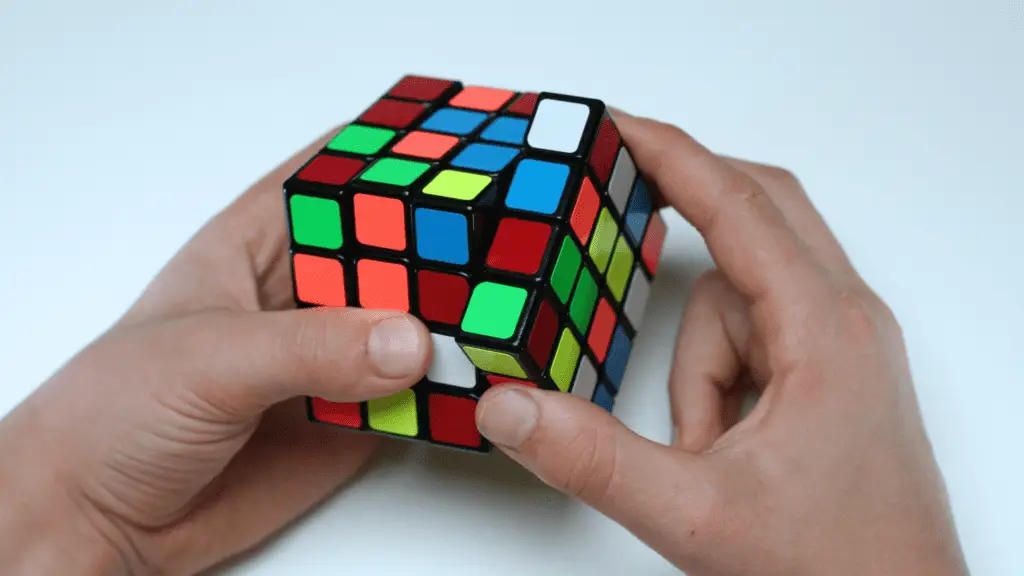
514 224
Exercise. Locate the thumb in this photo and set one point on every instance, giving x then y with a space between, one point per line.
660 494
243 363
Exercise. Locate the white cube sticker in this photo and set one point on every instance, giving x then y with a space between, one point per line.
586 380
636 300
558 125
450 365
623 177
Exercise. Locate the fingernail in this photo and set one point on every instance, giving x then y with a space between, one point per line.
395 347
508 418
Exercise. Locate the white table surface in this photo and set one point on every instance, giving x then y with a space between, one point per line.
125 125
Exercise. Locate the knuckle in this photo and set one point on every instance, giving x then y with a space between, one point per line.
711 294
589 476
312 344
660 165
734 187
879 306
744 188
708 282
670 133
858 319
884 316
782 177
667 142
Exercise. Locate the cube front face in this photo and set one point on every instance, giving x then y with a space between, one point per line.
515 225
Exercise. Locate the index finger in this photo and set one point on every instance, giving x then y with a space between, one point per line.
747 235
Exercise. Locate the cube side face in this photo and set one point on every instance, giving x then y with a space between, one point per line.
627 222
532 216
488 214
610 249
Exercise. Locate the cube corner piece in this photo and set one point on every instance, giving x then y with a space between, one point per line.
513 223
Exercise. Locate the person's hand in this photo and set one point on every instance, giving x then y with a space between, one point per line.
830 473
176 440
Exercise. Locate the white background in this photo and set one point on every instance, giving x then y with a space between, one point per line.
125 125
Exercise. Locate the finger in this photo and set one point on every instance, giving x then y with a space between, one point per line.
246 362
286 469
269 185
258 215
705 365
249 238
714 349
747 235
576 447
789 195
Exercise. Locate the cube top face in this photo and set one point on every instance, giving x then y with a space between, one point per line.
514 224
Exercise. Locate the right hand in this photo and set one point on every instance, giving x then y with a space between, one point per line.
831 473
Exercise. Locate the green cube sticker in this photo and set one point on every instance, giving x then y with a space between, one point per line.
604 239
395 171
494 310
563 276
457 185
361 139
495 362
563 367
584 299
395 414
315 221
618 272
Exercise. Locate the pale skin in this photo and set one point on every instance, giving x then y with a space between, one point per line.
178 439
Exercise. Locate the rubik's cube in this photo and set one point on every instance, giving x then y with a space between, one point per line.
515 225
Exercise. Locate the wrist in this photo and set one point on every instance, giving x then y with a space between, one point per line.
927 545
56 546
43 528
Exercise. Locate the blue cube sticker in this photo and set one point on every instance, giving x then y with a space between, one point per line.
453 121
506 130
537 186
638 212
604 398
485 157
618 355
442 236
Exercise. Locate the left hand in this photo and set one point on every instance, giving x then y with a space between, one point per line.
176 440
